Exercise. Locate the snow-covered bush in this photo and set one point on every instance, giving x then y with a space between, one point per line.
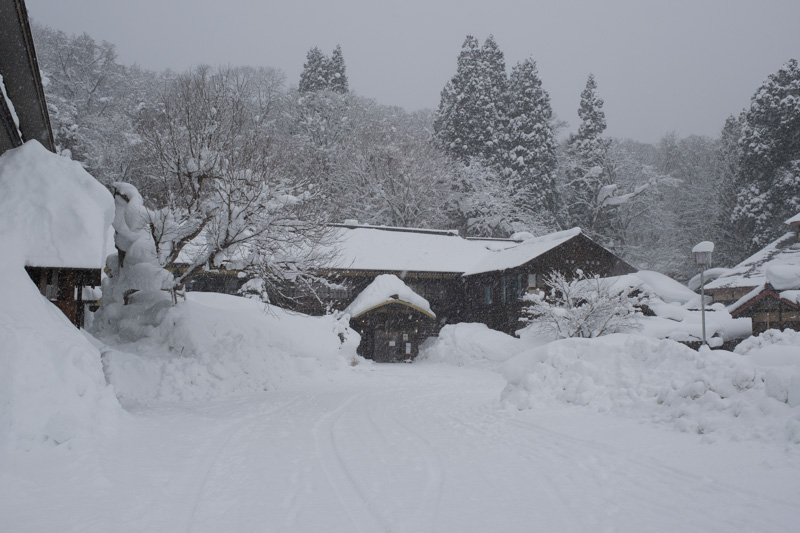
135 295
582 307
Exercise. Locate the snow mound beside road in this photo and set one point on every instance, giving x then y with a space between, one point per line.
714 393
216 345
472 345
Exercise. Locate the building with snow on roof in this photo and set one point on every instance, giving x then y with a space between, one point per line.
766 286
458 279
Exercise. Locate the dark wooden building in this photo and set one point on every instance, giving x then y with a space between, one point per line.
24 117
765 287
462 280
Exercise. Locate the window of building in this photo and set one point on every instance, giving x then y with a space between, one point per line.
487 294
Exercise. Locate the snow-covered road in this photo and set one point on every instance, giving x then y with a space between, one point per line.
399 448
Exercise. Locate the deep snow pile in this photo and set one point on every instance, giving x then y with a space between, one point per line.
216 345
472 345
52 213
706 392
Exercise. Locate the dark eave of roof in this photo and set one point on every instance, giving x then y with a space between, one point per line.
20 70
763 295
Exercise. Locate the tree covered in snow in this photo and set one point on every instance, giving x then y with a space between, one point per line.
220 187
586 156
393 172
768 184
530 159
581 306
322 73
92 101
337 77
471 112
314 76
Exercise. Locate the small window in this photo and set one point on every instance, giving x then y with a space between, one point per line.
487 294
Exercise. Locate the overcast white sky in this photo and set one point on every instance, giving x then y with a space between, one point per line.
670 65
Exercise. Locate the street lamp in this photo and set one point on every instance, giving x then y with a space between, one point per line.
702 257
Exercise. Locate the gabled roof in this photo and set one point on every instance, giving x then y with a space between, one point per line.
389 249
384 290
768 265
521 253
762 293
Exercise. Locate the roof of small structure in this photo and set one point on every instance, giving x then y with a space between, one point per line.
790 298
777 263
52 212
388 289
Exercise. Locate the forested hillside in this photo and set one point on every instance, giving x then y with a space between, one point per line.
243 151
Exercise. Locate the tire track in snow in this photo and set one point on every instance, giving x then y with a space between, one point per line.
364 515
221 443
425 516
616 482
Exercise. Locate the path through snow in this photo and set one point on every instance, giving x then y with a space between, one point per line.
399 448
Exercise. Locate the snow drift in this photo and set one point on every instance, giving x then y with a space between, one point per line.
706 392
216 345
472 345
52 213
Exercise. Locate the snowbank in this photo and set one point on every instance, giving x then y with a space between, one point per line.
708 392
216 345
473 345
52 389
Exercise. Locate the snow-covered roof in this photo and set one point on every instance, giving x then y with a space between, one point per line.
777 264
406 249
412 250
519 254
387 288
794 220
52 212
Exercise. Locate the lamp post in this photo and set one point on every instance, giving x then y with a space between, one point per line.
702 257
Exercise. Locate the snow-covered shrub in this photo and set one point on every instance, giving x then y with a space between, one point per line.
582 307
135 295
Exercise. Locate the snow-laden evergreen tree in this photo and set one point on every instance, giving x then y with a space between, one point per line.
314 76
769 166
530 156
337 77
455 125
492 101
731 247
470 120
586 157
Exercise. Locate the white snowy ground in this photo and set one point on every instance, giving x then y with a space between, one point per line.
398 448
